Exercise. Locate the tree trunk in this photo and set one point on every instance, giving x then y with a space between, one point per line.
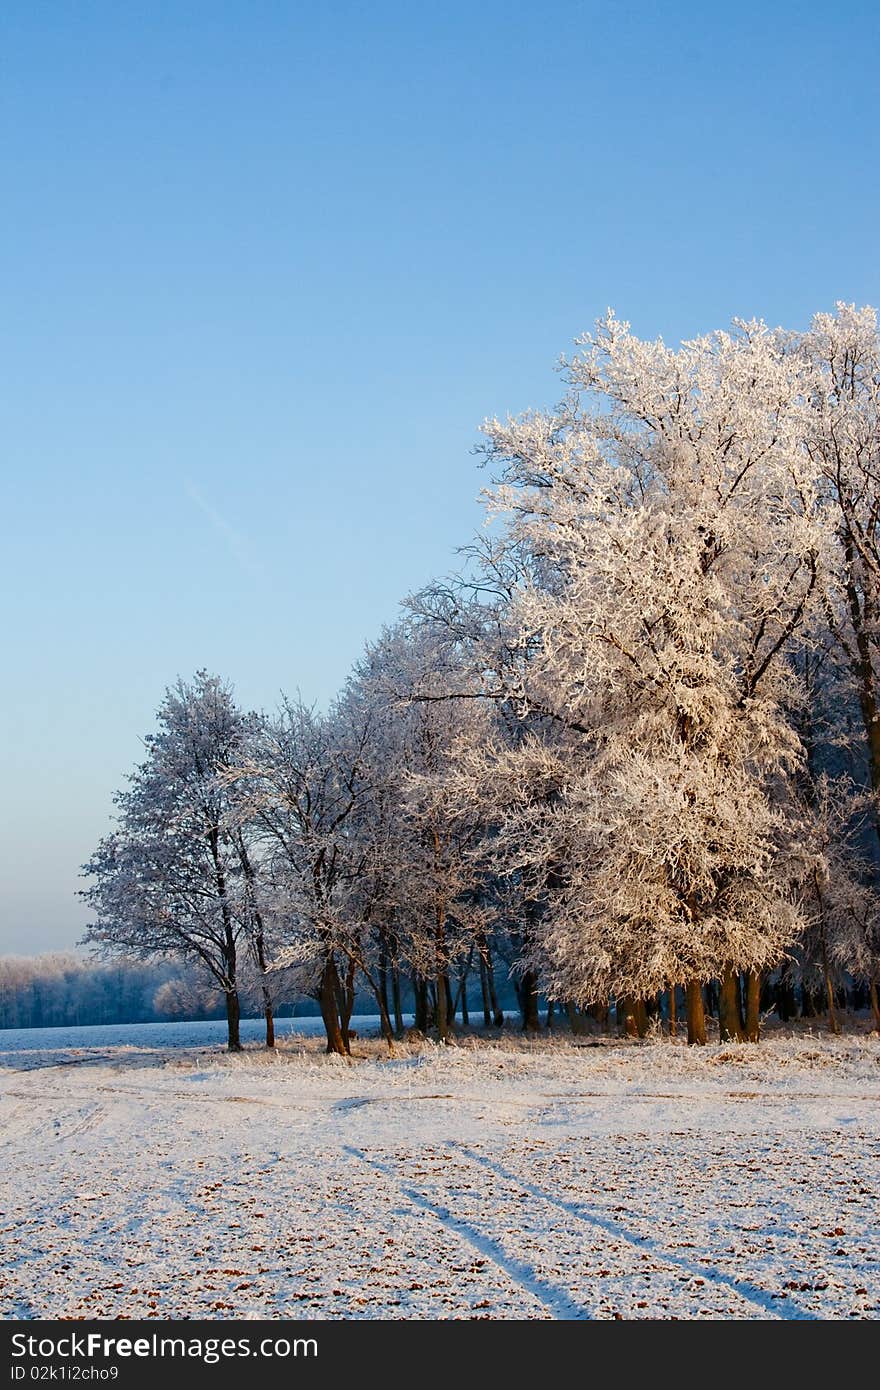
710 998
730 1024
395 996
753 1005
696 1014
642 1020
528 999
442 1008
444 996
673 1012
575 1021
461 999
829 990
346 1003
826 971
549 1018
259 939
633 1016
329 1008
233 1020
383 983
385 1025
875 1003
497 1013
230 959
626 1015
268 1014
484 991
599 1014
420 999
269 1017
527 983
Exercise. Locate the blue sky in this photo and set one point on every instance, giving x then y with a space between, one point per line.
265 268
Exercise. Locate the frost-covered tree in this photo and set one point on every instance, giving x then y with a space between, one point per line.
189 995
842 935
430 889
672 509
375 941
170 880
303 776
842 434
473 621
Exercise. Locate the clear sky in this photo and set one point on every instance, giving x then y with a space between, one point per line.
265 268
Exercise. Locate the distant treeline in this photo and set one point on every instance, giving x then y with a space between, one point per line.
61 989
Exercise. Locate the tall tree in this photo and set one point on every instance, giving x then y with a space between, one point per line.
673 511
842 434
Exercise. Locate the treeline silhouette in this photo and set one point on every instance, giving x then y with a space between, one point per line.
62 989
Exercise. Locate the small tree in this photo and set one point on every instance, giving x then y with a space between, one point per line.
169 881
301 780
419 732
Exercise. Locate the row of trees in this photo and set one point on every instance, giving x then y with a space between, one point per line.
61 989
634 746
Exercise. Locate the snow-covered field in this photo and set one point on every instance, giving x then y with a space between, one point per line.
505 1180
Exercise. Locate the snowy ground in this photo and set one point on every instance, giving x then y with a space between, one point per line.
502 1180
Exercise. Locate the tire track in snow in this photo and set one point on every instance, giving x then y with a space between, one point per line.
752 1293
554 1299
28 1062
85 1118
159 1097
